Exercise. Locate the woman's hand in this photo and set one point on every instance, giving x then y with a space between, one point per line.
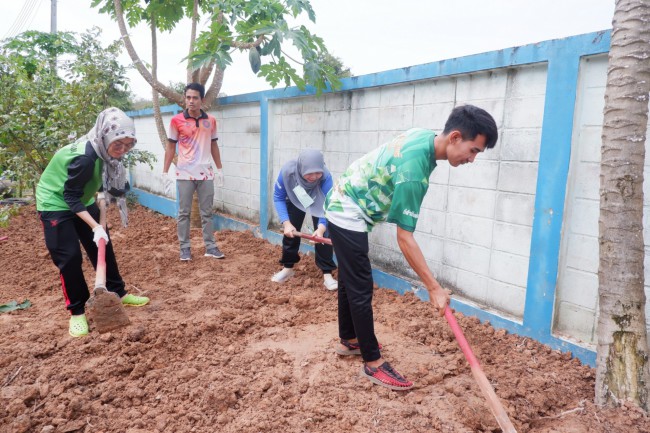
320 231
99 233
288 229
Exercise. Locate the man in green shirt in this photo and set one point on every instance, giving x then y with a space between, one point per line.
389 184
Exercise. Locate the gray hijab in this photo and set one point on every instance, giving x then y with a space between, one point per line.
309 161
112 125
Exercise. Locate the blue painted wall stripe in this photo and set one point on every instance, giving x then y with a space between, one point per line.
554 157
264 166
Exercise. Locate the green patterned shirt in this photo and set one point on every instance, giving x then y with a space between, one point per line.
387 184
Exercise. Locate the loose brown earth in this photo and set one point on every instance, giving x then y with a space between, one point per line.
222 349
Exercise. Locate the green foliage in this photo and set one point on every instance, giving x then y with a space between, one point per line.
168 13
14 305
42 109
237 24
137 156
6 212
131 199
246 21
337 64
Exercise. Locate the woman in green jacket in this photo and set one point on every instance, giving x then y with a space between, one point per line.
65 201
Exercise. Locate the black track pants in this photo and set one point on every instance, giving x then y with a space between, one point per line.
64 232
355 290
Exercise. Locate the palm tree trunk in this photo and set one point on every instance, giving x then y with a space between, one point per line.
622 358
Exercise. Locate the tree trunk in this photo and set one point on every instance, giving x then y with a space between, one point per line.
139 65
622 359
191 75
157 87
155 97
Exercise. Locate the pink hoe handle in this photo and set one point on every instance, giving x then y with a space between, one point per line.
488 392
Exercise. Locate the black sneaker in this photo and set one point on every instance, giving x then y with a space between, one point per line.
386 376
214 252
351 348
185 254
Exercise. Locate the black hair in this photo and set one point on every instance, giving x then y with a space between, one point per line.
195 86
471 121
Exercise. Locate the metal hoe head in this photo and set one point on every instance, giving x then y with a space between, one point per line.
105 308
106 311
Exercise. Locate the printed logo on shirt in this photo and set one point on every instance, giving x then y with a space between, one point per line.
411 214
206 123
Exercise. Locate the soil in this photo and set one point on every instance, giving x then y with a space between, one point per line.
222 349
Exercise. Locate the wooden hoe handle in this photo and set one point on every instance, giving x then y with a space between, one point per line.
314 238
488 392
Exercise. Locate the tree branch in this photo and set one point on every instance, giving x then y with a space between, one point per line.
291 58
192 76
215 87
205 73
161 88
162 134
249 45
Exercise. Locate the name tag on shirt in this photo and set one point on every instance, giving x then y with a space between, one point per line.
303 197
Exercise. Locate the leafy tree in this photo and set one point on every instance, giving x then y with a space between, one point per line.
335 63
257 26
622 371
41 111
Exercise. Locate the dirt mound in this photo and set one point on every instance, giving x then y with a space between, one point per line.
221 348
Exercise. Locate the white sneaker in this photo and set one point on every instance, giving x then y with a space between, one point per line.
283 275
329 282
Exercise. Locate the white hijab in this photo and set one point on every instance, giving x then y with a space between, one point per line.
112 125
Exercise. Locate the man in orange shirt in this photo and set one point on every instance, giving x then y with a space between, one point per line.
195 132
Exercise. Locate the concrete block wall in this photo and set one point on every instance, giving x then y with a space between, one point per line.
239 144
474 218
141 175
577 293
513 234
238 128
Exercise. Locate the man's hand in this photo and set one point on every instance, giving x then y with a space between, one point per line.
168 183
288 229
440 299
99 233
218 174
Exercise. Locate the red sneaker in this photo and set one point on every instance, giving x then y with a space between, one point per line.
386 376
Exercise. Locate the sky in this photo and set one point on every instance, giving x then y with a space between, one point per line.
367 35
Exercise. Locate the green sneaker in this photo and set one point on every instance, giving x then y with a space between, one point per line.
78 326
134 301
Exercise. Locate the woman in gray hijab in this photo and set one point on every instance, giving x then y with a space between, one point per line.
65 201
302 186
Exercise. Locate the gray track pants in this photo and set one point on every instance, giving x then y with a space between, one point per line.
205 190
